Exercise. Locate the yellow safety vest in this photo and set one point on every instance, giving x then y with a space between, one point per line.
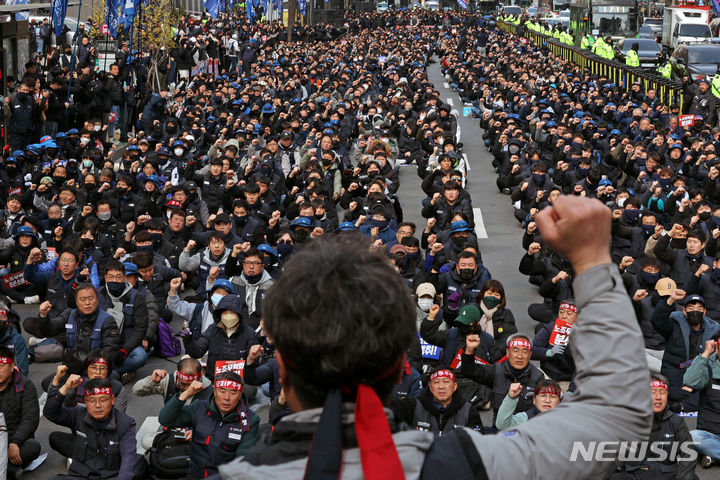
665 71
715 85
632 59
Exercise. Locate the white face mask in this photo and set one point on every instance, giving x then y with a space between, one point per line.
97 128
424 304
229 319
84 140
178 152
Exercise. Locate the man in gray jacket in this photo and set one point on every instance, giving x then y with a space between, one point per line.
335 391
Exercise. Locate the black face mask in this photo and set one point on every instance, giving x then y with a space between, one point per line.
122 191
705 216
240 220
460 241
467 273
694 317
58 179
115 288
301 235
87 243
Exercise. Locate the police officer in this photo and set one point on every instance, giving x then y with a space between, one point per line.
632 59
21 115
440 408
223 427
715 84
664 68
587 41
104 437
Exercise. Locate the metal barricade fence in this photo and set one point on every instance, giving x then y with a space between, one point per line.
669 92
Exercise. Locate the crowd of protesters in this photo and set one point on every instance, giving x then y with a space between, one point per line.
155 221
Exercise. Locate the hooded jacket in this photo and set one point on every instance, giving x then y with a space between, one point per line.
215 342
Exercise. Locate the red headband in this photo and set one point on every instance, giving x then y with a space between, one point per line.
549 389
443 373
99 391
568 306
520 342
658 384
3 313
228 384
100 360
188 378
6 360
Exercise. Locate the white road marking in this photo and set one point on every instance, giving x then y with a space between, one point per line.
479 224
446 85
450 101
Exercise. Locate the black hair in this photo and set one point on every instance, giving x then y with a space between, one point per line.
229 375
97 354
216 235
7 352
84 286
98 383
113 264
344 269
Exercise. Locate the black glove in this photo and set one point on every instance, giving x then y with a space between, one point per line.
120 357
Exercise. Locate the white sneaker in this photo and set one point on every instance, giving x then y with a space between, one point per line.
32 341
32 300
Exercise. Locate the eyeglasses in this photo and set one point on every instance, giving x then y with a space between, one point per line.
97 368
66 260
252 264
97 400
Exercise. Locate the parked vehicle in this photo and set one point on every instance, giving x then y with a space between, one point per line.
656 24
695 60
685 24
646 32
648 52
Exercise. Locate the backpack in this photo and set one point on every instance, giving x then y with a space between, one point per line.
168 345
169 456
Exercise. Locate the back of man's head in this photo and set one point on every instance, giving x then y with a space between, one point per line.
340 317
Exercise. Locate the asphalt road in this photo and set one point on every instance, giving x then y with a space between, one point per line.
499 236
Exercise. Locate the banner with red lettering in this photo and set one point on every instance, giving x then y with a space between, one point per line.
457 361
561 333
237 366
15 280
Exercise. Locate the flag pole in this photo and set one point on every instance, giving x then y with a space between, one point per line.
72 58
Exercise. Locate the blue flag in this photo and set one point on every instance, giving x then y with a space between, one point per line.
277 6
113 12
463 4
59 10
301 6
250 11
212 7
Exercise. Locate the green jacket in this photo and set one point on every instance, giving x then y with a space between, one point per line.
697 376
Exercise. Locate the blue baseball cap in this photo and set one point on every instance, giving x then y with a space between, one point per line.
301 222
460 226
346 227
130 268
614 131
224 284
265 248
25 230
